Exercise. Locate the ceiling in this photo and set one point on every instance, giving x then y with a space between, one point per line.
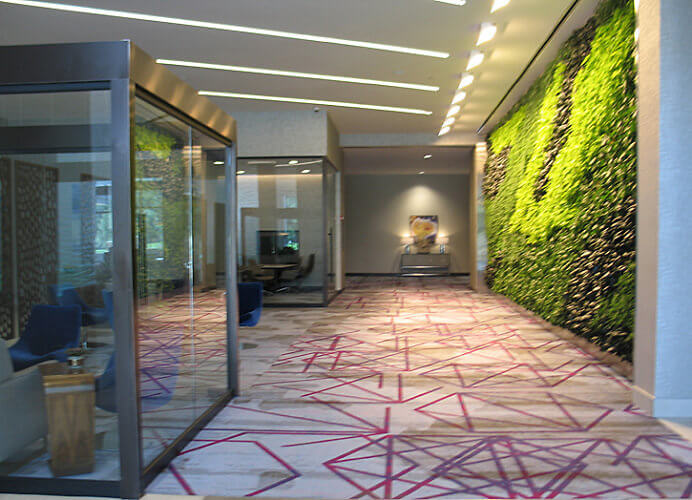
426 24
408 160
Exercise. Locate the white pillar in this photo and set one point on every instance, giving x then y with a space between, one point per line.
477 238
663 331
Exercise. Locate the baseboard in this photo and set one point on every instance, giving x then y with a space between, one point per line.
643 400
661 407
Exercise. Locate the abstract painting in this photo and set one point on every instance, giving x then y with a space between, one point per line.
424 231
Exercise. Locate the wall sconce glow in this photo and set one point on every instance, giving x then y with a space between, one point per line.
453 2
427 157
240 172
453 111
475 59
306 171
466 80
338 104
498 4
459 97
225 27
449 122
488 31
296 74
444 130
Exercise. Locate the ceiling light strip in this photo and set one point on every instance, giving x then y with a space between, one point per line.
453 2
225 27
296 74
338 104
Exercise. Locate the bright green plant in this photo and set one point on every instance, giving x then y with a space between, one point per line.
560 190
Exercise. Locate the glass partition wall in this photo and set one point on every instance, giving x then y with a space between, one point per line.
116 331
286 216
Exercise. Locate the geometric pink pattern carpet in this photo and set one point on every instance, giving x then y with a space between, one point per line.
422 388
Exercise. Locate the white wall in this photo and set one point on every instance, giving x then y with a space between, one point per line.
377 212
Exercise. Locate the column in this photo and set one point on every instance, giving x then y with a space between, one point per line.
663 331
477 224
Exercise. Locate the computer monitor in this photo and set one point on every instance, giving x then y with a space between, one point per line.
278 247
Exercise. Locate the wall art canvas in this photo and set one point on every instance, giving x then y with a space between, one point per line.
424 231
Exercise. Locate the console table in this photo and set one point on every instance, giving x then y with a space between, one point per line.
424 264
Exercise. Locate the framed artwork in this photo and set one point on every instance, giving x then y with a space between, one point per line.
424 230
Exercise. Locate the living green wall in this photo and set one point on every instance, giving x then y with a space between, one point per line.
560 187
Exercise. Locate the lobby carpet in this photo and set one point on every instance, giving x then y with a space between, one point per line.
422 388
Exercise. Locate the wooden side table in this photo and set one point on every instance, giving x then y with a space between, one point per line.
70 404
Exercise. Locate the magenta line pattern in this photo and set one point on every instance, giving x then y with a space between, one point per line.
422 388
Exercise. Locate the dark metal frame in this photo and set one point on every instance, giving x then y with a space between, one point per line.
326 164
127 72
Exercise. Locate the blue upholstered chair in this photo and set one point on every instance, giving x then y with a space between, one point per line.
67 296
249 303
50 331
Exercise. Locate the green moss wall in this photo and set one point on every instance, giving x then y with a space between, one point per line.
560 185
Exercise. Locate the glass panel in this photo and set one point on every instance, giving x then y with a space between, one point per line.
209 267
281 229
56 232
180 274
163 243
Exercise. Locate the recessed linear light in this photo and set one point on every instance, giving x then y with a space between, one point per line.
453 2
427 157
453 110
298 164
337 104
466 80
296 74
475 59
261 162
449 122
306 171
444 130
498 4
225 27
219 163
487 33
460 96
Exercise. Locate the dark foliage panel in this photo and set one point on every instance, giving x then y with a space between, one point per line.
560 187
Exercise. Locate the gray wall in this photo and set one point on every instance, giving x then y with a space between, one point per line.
288 133
377 212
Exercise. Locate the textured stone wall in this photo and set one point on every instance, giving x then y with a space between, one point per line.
560 186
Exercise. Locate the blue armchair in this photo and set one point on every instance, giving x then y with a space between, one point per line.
249 303
67 296
50 331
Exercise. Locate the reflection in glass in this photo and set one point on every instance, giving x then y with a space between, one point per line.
179 238
56 232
